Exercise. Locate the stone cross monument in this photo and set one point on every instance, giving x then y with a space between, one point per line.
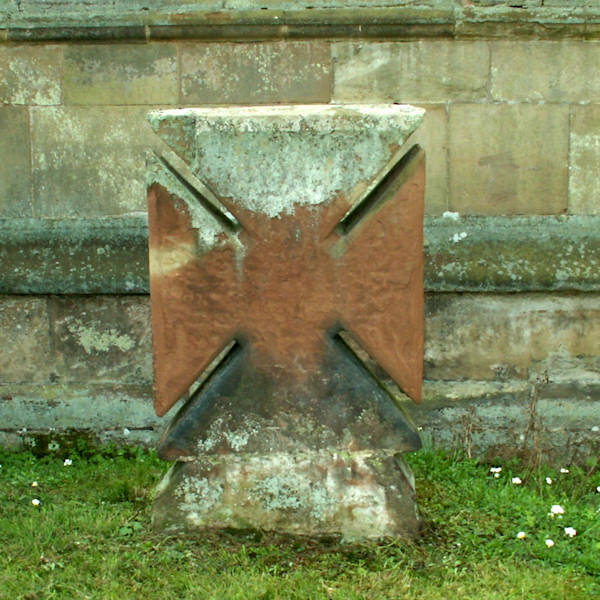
290 229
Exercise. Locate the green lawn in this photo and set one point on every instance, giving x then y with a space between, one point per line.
90 537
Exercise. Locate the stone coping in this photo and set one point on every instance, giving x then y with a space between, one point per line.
462 254
136 21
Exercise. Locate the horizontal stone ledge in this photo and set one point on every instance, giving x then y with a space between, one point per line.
47 407
512 254
554 421
462 254
74 256
481 418
277 20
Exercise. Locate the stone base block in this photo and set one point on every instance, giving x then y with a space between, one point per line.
354 495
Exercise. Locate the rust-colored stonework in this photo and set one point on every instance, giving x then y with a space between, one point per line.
307 223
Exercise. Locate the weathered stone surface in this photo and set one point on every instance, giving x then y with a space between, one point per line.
315 4
121 74
110 406
416 72
584 166
503 22
60 13
548 71
350 494
237 20
508 159
243 409
30 75
74 256
102 339
255 73
503 337
523 4
571 3
511 253
15 170
24 339
305 169
79 166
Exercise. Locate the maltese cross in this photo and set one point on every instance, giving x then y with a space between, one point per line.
284 232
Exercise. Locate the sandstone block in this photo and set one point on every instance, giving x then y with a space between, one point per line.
121 74
304 168
24 340
508 159
432 136
584 167
102 339
502 337
273 72
549 71
424 71
89 161
15 171
30 75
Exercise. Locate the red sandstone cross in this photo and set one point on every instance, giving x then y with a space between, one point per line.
282 287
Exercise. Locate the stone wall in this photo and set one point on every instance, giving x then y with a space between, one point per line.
512 136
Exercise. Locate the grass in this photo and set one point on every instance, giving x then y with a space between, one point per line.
90 537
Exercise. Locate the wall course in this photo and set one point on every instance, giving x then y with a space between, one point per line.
571 3
584 160
120 74
246 73
480 418
85 407
462 254
236 20
493 421
468 336
486 342
508 159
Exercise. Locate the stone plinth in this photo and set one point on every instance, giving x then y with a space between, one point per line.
283 231
354 494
